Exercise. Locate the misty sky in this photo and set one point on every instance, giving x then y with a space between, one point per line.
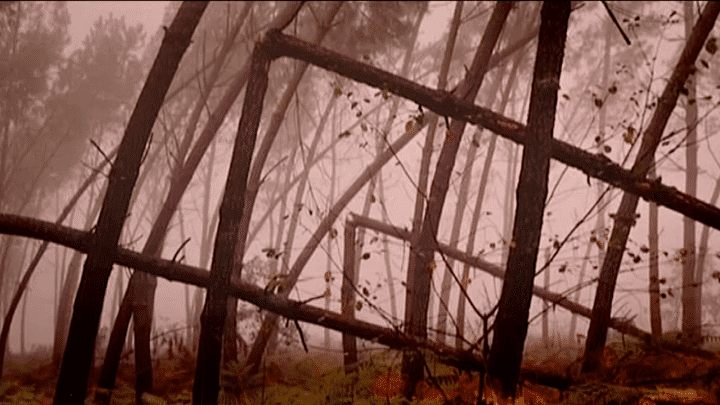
570 203
84 13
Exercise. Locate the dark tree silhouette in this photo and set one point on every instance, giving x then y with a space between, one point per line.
420 266
75 368
512 319
625 216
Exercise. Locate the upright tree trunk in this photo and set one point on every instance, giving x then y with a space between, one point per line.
653 268
512 318
386 256
329 264
420 266
625 216
23 318
209 226
347 295
545 319
509 202
379 144
325 225
296 208
703 247
691 314
597 238
477 210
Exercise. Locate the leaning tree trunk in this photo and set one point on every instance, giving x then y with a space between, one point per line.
430 121
598 235
429 145
477 210
143 294
212 320
379 143
179 184
625 216
75 368
370 76
68 290
300 192
321 231
33 265
512 318
254 178
421 255
443 308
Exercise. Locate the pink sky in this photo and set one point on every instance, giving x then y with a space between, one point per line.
84 13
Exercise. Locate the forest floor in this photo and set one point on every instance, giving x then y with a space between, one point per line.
631 373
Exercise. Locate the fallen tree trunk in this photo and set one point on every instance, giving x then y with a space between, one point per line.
173 271
620 325
445 104
300 310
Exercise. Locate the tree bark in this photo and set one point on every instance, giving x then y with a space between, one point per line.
653 268
79 352
420 266
174 271
144 292
347 296
320 232
702 248
625 216
427 150
446 104
253 185
691 314
212 319
178 185
79 240
477 210
316 56
512 318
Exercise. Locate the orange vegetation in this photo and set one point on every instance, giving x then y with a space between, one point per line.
465 392
390 384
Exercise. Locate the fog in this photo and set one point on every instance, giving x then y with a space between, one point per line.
635 71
